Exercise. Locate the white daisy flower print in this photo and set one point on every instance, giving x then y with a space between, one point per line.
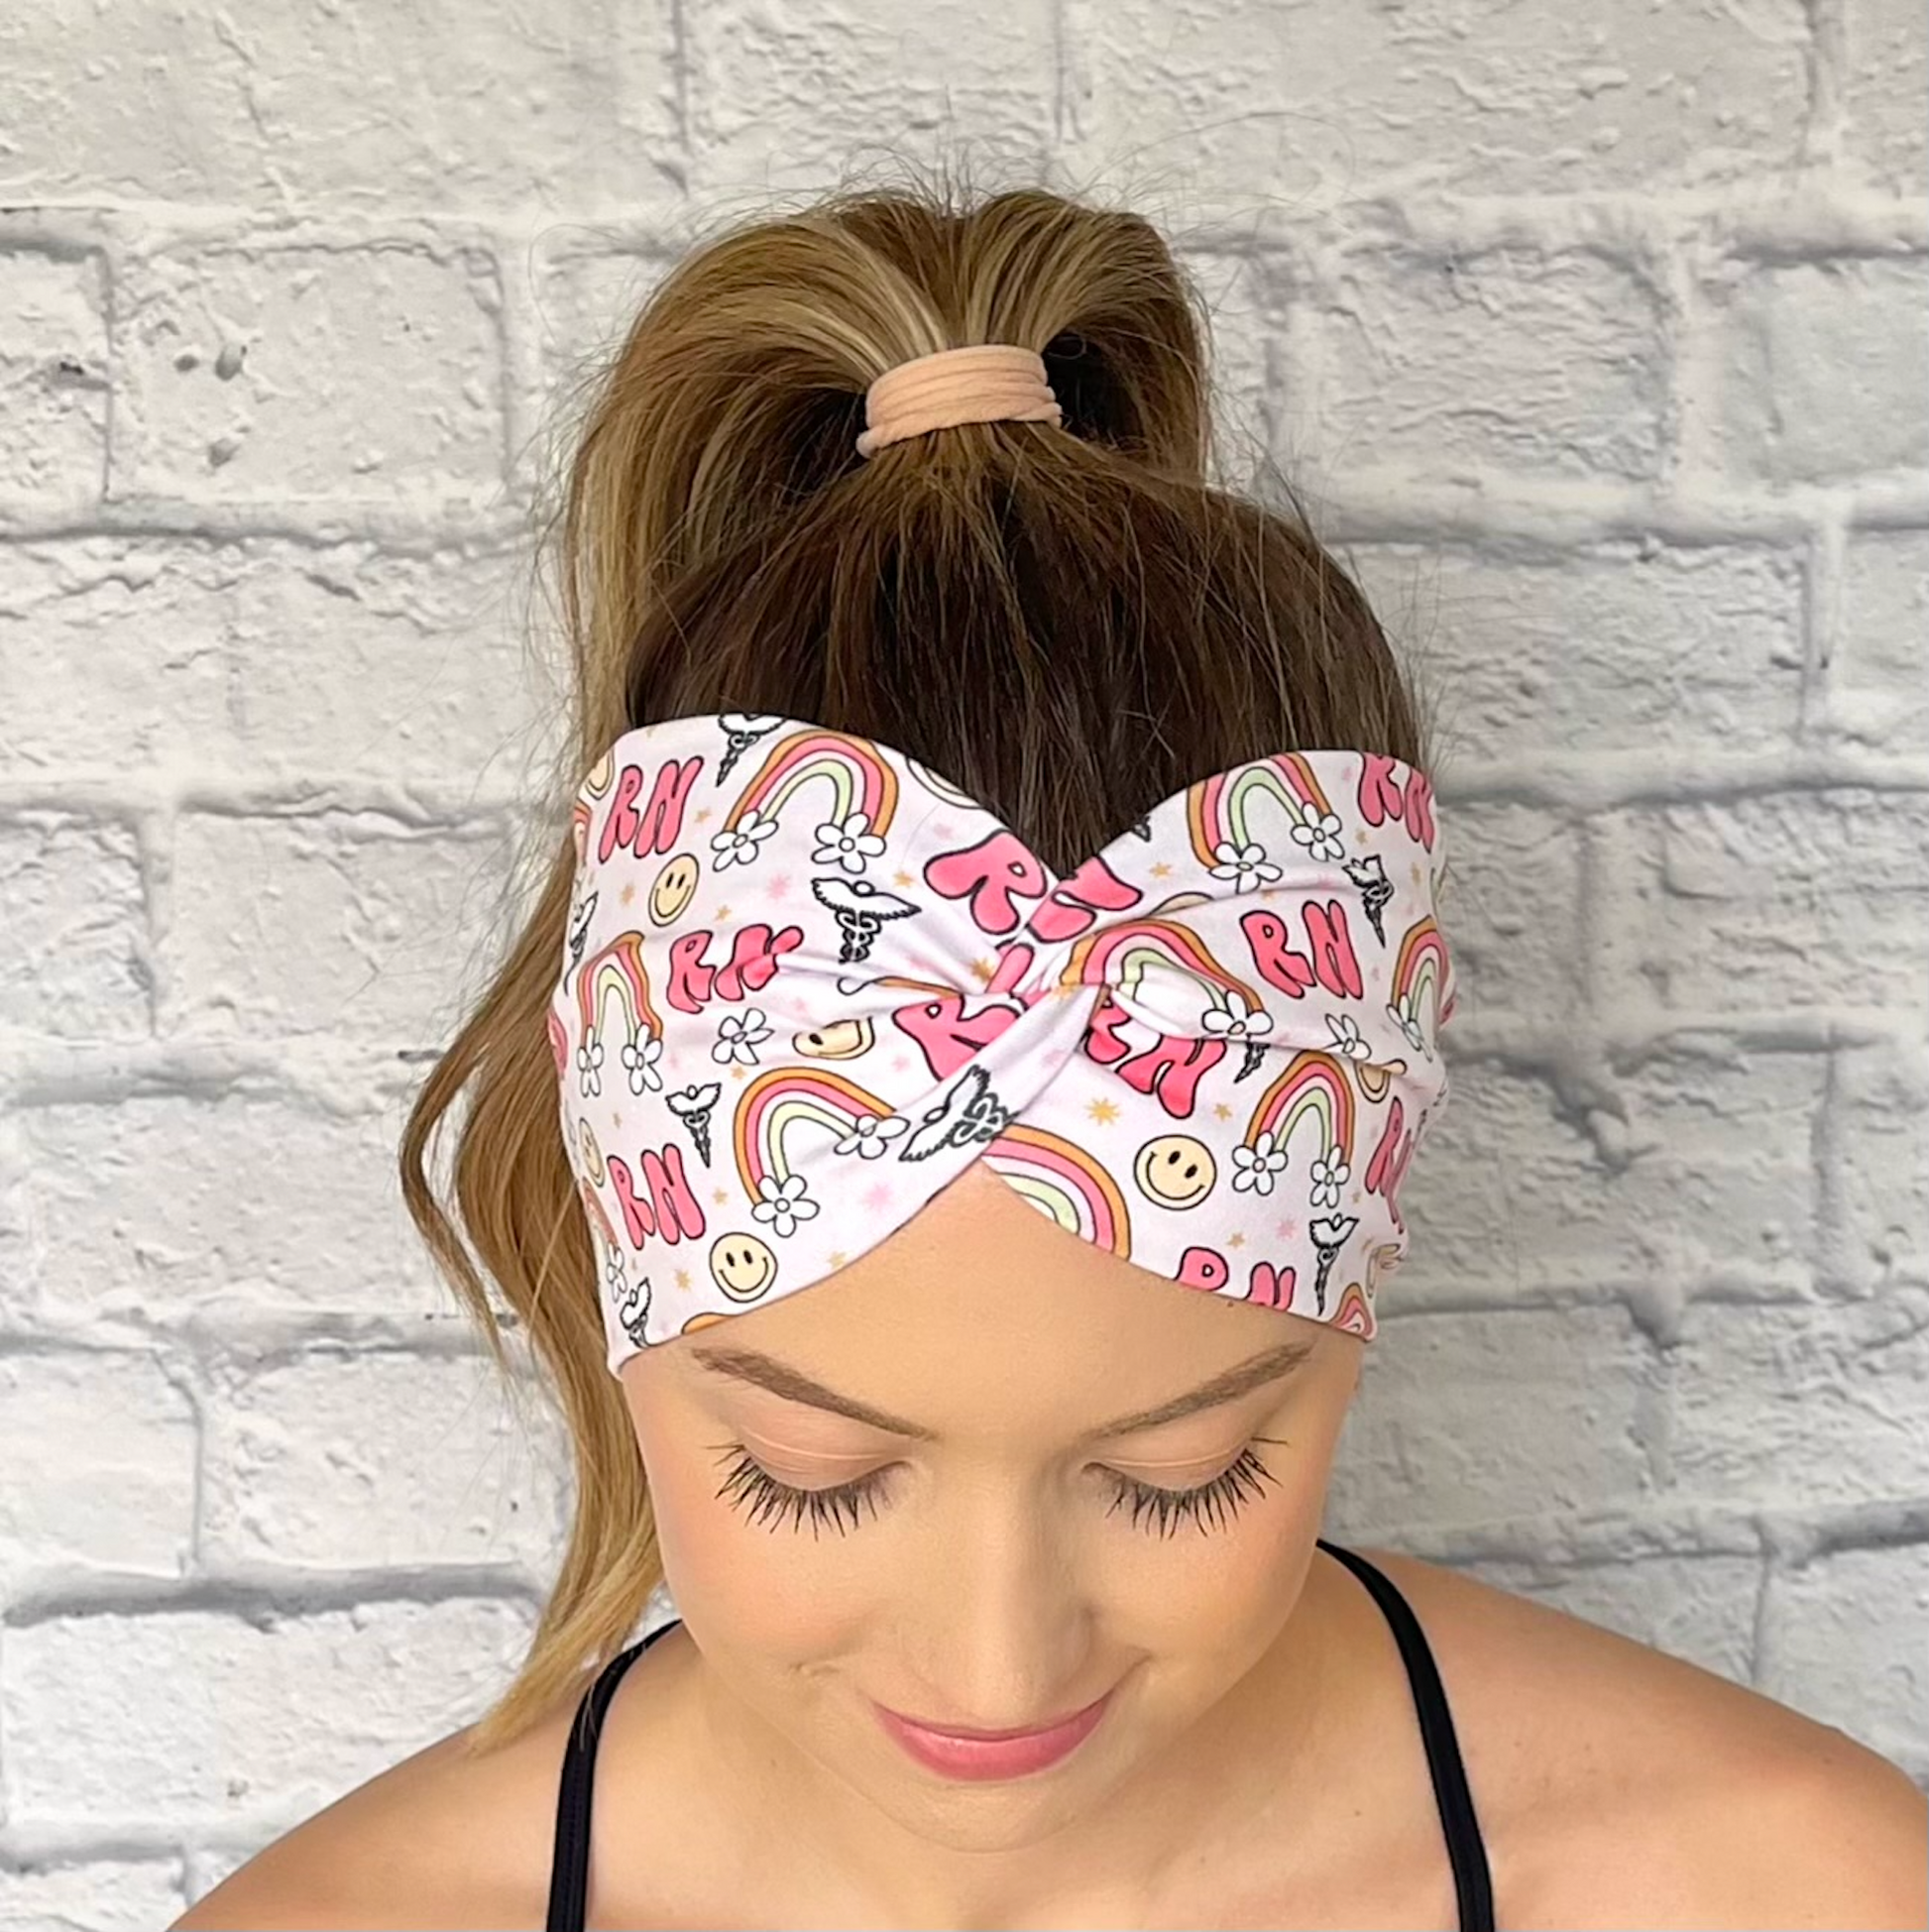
641 1057
738 845
1236 1020
1410 1025
588 1065
1347 1037
1329 1176
1321 837
850 844
737 1038
870 1136
784 1203
1246 865
1257 1163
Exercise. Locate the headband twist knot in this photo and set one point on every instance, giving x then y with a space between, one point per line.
987 382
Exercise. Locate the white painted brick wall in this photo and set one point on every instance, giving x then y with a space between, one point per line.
1600 345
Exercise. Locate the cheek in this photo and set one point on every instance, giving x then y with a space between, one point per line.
1228 1593
737 1579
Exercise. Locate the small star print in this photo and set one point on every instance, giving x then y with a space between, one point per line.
984 968
1221 1111
683 1278
704 814
628 892
1158 871
720 914
1235 1240
902 879
719 1196
1104 1110
836 1257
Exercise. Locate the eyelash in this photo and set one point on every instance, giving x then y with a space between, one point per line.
752 1487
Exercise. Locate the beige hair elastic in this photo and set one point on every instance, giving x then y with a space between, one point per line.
988 381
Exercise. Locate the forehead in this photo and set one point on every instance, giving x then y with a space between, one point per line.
978 1311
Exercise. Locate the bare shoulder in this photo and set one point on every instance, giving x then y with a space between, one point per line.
446 1837
1618 1785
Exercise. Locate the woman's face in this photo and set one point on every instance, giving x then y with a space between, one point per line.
995 1571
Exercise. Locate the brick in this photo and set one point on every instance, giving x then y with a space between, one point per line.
53 365
1505 359
218 1722
161 1208
275 372
1877 685
1770 900
325 109
1451 1424
1875 1163
1801 1408
101 1448
76 960
1693 1165
1884 82
1616 647
1509 907
92 1895
1484 98
1842 1639
349 923
372 1460
172 655
783 95
1810 360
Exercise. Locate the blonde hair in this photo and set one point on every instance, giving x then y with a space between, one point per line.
1071 622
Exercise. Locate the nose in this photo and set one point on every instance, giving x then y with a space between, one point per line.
1004 1636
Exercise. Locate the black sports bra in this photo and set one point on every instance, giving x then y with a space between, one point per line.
569 1872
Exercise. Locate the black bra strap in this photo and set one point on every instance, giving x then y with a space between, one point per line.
1473 1886
569 1863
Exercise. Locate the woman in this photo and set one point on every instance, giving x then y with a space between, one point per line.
993 835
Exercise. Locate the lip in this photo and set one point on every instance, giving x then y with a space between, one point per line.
994 1754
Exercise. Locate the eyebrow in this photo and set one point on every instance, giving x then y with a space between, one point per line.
781 1379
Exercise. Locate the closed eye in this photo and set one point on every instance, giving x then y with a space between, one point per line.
1214 1503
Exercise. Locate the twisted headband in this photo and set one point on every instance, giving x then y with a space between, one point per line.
808 981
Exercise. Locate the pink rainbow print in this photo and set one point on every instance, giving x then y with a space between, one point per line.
778 1101
861 779
1355 1313
1060 1179
1149 942
582 815
1217 810
618 967
597 1219
1314 1083
1422 962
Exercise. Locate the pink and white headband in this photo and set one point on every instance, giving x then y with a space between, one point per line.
807 982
